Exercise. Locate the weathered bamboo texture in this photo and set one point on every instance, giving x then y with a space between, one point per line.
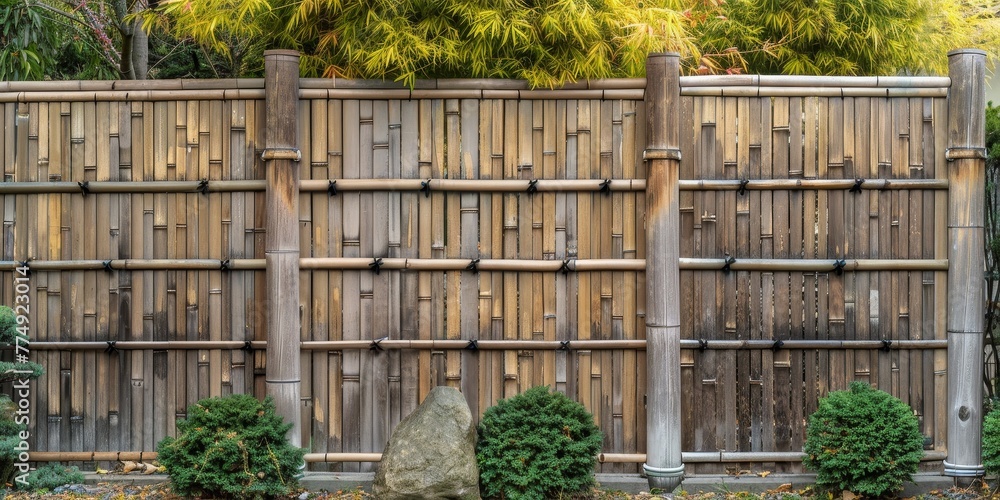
966 157
663 466
281 155
479 257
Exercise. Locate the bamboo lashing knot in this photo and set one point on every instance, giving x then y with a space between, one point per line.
203 186
730 260
247 346
605 187
473 345
107 266
281 154
777 345
952 154
856 188
702 345
532 186
225 265
111 349
743 186
27 267
375 265
473 266
332 188
662 154
563 345
425 187
838 266
376 345
886 345
84 187
564 268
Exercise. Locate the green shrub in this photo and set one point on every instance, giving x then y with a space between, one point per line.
863 440
538 444
991 441
231 447
52 475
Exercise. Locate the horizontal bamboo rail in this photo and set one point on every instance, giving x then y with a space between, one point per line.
463 185
124 187
499 265
620 458
492 345
736 456
93 456
476 83
755 91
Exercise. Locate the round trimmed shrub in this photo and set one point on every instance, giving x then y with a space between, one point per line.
863 440
538 444
231 447
991 441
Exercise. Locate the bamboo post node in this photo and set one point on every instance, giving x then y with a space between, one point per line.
664 467
281 83
966 258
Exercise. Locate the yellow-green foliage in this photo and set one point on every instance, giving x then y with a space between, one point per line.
546 42
549 42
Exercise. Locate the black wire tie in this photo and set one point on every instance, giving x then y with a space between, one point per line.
473 345
203 186
375 265
857 185
606 186
564 268
730 260
838 266
107 266
332 188
225 265
532 186
778 343
563 345
376 345
26 266
886 345
111 349
247 346
85 187
425 187
473 266
702 345
743 186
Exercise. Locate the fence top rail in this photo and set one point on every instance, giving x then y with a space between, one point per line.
145 89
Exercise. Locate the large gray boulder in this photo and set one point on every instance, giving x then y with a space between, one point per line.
432 452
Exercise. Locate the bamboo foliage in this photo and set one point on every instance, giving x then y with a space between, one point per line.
485 255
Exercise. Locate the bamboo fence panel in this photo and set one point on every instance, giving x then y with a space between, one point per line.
799 154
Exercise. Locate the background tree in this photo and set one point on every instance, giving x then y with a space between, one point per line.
851 37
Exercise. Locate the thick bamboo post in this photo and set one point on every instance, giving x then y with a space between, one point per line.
663 466
966 155
281 154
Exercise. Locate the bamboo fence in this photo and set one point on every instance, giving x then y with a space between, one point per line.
481 235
